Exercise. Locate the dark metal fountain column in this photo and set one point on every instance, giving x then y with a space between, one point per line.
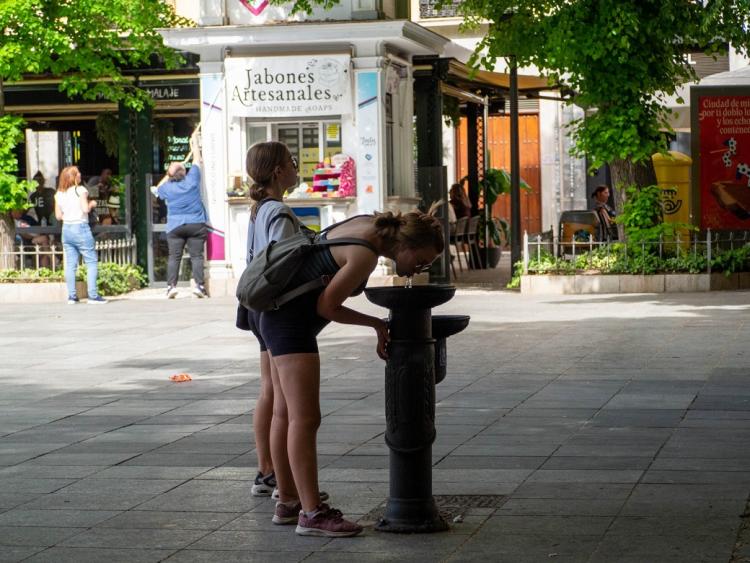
410 405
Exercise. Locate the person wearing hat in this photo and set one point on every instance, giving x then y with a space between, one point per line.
606 215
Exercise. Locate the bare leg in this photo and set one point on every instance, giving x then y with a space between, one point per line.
299 379
262 415
279 431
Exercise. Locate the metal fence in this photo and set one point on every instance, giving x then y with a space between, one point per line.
583 254
33 257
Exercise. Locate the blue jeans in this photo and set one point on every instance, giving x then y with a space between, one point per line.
78 241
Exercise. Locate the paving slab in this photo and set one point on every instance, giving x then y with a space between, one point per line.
612 428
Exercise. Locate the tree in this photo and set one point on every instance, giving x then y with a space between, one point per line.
87 44
618 60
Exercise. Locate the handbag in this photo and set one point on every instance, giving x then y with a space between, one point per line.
93 217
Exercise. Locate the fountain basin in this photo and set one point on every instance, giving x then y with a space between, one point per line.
444 326
410 298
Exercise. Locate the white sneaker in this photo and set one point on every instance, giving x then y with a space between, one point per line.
171 292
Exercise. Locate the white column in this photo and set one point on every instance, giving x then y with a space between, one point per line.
214 130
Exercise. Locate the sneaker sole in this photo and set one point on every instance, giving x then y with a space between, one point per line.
279 521
261 491
97 302
171 295
198 294
300 531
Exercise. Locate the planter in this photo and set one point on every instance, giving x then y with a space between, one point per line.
656 283
54 292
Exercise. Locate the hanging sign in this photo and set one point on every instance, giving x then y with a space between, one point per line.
289 86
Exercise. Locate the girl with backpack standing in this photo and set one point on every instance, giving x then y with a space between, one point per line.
73 207
273 170
413 241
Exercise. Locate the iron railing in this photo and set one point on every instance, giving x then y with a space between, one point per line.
33 257
572 254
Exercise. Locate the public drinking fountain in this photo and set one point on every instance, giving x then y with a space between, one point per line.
416 362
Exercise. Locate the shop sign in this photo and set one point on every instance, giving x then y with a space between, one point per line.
315 85
724 147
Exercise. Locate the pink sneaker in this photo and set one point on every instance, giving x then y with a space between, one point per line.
285 514
328 522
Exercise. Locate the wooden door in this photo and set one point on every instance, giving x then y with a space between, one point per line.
498 145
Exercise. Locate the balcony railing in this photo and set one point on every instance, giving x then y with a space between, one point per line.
428 10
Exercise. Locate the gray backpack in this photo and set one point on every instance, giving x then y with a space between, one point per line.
264 285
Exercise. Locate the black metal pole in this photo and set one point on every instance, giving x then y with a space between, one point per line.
515 168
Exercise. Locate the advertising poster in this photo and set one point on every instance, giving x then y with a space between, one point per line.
288 86
724 142
368 145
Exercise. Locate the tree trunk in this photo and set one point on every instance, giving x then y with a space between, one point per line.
626 173
7 240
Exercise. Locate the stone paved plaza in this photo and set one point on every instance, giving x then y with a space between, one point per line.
609 428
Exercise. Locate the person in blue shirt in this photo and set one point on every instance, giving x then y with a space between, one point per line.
186 220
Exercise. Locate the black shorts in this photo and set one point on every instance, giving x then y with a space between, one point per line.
293 329
247 319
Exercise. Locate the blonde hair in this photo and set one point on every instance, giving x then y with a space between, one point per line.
67 178
260 163
410 230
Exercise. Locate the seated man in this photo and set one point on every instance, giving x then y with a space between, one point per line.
23 219
43 201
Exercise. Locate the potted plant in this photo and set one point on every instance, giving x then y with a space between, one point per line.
493 232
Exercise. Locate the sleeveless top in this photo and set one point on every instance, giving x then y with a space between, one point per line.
321 263
70 205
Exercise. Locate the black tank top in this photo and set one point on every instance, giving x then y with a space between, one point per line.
321 263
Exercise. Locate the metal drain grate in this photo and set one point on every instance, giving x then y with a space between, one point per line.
449 505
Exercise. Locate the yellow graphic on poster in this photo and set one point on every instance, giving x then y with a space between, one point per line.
308 162
333 133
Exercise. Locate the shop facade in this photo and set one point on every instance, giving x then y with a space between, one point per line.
340 95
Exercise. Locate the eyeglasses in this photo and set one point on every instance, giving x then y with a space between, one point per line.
295 163
421 268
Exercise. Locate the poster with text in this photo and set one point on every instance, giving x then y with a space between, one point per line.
724 123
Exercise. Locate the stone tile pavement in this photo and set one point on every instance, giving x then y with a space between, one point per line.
616 428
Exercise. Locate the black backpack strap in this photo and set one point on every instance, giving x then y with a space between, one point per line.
343 241
323 280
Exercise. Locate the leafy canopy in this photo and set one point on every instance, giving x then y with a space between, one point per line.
620 58
13 193
87 43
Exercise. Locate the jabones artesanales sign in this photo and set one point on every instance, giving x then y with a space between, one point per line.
288 86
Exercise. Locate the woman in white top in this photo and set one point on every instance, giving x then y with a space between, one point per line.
72 207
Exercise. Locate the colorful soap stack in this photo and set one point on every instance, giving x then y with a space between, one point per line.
326 180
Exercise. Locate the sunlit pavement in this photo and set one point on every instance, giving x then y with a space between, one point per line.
601 428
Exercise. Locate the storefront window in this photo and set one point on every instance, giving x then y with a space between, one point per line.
309 142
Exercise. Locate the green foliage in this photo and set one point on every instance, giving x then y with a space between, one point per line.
14 193
642 218
635 259
87 43
107 131
31 276
306 6
642 213
116 279
451 111
621 58
732 260
496 182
